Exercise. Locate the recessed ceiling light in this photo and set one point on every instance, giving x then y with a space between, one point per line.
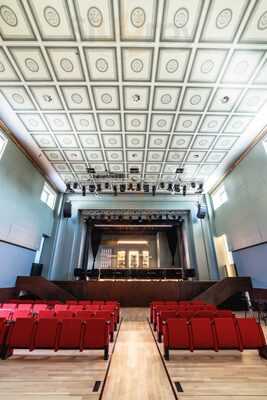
47 98
136 98
225 99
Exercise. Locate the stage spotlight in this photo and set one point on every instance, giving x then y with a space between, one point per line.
92 188
154 190
138 187
68 187
146 187
98 187
200 188
193 185
177 188
140 219
75 185
122 187
91 170
130 187
106 185
83 190
184 190
179 171
162 185
170 187
115 190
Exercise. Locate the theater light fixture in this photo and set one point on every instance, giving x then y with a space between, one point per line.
92 188
83 190
154 190
132 242
115 190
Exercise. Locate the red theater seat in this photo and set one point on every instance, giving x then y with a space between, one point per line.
176 335
39 307
3 332
61 307
83 315
9 306
163 316
84 302
75 308
64 314
96 335
99 302
70 332
226 333
25 306
21 334
71 302
108 316
92 307
251 333
202 334
5 314
21 314
46 333
46 314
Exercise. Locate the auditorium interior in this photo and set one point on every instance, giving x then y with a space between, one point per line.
133 192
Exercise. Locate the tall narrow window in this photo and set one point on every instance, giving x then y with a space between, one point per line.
219 197
3 143
48 196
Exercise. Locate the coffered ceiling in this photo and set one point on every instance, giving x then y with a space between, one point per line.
151 84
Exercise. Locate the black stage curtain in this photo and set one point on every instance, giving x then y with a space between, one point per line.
96 236
181 247
172 237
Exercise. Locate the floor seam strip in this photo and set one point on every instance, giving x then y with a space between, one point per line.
162 360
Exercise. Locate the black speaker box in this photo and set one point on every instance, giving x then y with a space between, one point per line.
189 273
201 211
67 210
36 269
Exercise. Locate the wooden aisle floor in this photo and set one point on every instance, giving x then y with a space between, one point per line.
136 371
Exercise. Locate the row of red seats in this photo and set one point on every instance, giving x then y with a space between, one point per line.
183 304
36 308
216 334
52 333
82 314
163 316
52 302
181 309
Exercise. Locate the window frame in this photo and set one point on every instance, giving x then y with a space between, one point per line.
5 141
51 196
219 197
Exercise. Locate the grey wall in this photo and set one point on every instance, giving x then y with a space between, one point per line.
243 217
23 217
66 256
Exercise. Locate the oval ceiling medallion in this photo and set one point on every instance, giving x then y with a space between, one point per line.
109 122
2 67
84 122
112 141
196 99
237 124
67 141
224 18
172 66
137 65
106 98
161 123
95 17
114 156
135 122
58 122
76 98
207 66
52 16
66 64
155 156
203 142
93 156
138 17
32 65
135 141
101 65
187 123
181 17
166 99
33 123
262 22
18 98
158 141
253 101
9 16
212 124
180 142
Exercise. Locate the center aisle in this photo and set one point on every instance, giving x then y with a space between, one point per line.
136 370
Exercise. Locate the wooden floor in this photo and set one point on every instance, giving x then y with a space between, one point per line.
136 371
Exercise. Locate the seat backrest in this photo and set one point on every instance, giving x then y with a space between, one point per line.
72 302
38 307
70 334
95 333
107 315
178 333
85 302
226 333
164 315
99 302
46 333
22 333
202 334
92 307
203 314
83 315
21 314
3 327
224 313
25 306
61 307
5 314
64 314
185 314
9 306
46 314
251 333
75 308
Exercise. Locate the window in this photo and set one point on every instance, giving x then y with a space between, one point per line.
48 196
3 143
265 145
219 197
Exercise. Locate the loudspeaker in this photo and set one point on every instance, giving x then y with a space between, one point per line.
67 210
36 269
189 273
201 211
